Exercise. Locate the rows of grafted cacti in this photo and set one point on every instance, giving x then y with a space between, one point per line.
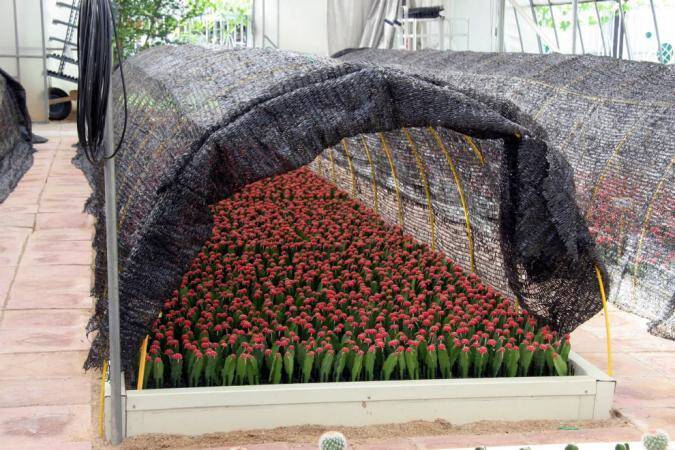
300 283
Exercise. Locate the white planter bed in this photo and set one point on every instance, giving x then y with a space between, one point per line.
192 411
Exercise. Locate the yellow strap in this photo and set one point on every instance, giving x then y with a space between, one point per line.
645 227
141 364
351 167
608 335
332 164
609 162
475 148
427 190
320 166
387 152
462 199
372 173
101 400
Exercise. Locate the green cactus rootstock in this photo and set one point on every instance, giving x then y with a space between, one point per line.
656 441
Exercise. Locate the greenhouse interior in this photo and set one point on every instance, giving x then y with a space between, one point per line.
337 224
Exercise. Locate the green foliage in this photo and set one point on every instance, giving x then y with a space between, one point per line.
145 23
562 14
231 13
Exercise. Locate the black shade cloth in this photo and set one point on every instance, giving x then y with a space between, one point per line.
613 121
16 151
204 122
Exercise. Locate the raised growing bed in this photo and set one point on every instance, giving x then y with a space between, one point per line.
306 308
587 395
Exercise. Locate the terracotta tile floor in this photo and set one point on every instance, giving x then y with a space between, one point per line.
45 258
46 398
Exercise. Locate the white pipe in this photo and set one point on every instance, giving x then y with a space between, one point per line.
537 29
575 19
113 277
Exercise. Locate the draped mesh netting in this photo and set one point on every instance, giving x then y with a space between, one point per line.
16 151
469 174
614 122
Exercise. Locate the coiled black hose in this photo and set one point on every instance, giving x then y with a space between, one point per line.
96 29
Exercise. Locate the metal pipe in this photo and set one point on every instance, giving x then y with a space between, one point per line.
44 61
536 22
555 27
251 25
656 25
602 33
537 29
581 38
624 31
616 33
520 36
113 276
500 25
575 19
16 43
263 24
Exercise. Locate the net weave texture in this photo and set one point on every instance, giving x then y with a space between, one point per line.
614 122
470 174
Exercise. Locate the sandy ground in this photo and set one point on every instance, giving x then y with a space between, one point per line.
309 434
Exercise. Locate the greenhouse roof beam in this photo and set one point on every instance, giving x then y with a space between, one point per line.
541 33
536 22
656 24
602 33
555 26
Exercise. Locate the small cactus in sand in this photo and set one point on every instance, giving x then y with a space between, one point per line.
656 441
332 440
623 446
571 447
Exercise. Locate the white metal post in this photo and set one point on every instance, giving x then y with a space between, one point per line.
656 25
501 11
16 42
575 19
45 75
113 277
623 29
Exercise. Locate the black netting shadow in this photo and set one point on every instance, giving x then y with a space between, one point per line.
16 150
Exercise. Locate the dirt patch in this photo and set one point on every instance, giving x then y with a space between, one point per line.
309 434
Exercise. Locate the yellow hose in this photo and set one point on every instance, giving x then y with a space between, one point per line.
427 189
332 164
460 191
141 364
351 168
372 174
475 149
387 153
101 405
607 331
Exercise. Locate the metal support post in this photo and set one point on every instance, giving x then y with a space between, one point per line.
501 12
44 60
575 19
113 279
16 42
